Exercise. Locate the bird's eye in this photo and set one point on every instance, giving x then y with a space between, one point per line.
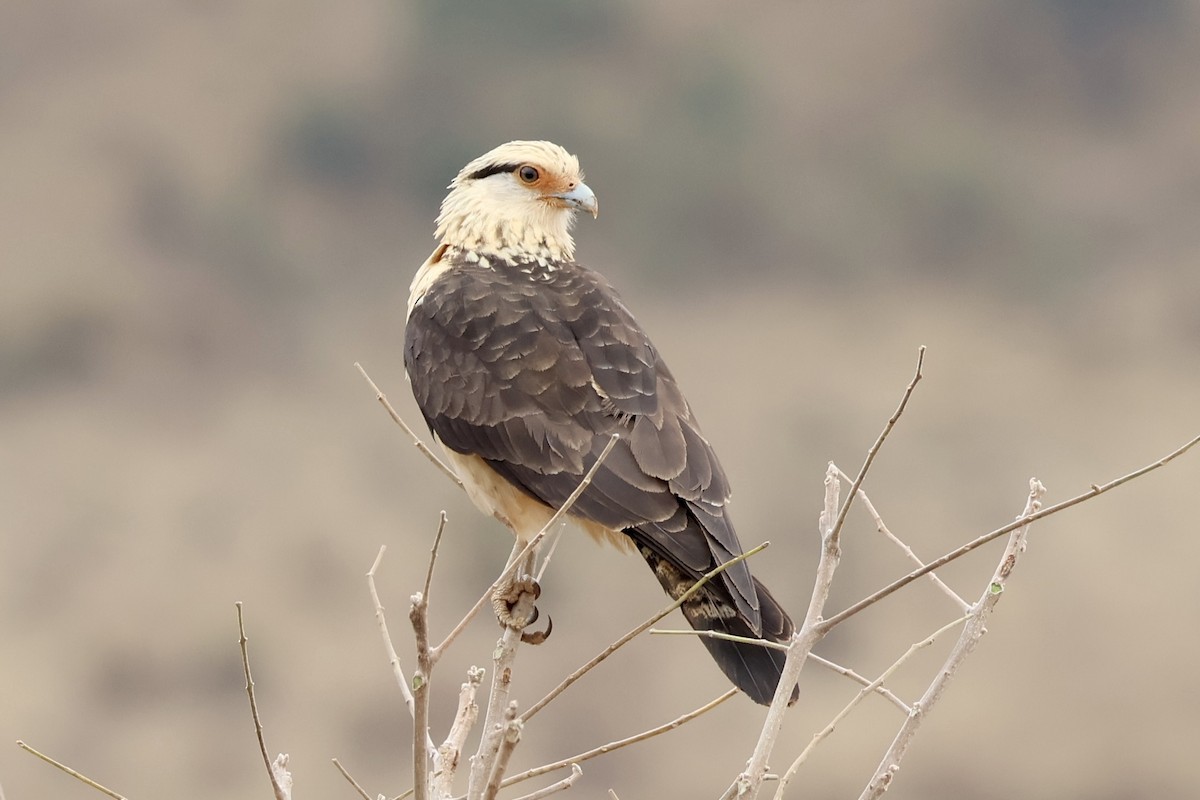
528 174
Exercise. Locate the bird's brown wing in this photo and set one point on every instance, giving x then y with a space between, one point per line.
532 368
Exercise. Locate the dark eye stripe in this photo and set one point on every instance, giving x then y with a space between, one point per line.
491 169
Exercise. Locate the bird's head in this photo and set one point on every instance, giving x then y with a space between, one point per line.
517 202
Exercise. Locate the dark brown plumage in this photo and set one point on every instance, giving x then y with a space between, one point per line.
524 363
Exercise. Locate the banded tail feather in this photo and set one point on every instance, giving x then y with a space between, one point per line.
752 668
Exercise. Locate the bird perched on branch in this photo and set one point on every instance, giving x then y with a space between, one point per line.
524 364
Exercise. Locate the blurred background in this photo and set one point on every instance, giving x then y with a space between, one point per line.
210 210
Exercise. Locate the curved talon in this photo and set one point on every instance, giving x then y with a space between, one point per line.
524 585
537 637
523 591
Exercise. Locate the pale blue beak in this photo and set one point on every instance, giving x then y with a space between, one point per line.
581 198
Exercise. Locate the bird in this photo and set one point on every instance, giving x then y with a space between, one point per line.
525 363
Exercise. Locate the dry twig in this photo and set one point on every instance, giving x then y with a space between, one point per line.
393 657
503 658
824 733
558 786
749 782
281 779
880 526
875 448
813 630
361 791
622 641
510 734
79 776
882 691
824 662
972 632
618 744
416 440
959 552
424 753
531 547
506 649
450 751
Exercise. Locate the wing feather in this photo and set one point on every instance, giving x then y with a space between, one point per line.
534 369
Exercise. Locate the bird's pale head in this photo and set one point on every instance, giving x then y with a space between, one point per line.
516 202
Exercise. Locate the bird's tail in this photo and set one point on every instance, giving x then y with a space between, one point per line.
752 668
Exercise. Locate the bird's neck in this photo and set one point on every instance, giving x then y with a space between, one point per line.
513 232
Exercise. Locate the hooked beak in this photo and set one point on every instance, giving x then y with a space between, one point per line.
580 198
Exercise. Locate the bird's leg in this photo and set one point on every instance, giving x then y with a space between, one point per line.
513 601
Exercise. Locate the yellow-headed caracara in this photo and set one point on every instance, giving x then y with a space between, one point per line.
524 363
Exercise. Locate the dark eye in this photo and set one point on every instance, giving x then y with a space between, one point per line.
528 174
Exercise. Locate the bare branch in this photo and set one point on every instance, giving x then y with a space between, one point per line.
450 751
416 440
552 545
618 744
281 779
849 673
435 653
824 733
361 791
79 776
533 543
749 782
503 659
565 783
883 691
971 633
423 749
511 734
433 553
393 657
832 519
616 645
728 637
880 526
874 451
957 553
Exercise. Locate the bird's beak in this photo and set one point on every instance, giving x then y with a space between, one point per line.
581 198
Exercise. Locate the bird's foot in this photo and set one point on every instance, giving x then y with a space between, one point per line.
513 601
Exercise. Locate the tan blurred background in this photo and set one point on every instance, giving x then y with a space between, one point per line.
209 210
